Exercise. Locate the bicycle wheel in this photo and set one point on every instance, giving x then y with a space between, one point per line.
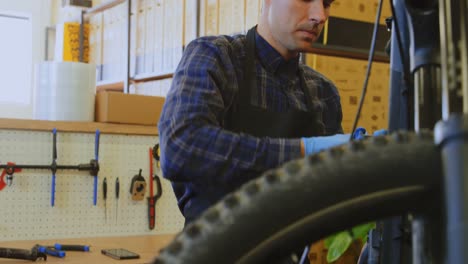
307 199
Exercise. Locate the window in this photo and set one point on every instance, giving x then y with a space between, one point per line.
16 59
22 29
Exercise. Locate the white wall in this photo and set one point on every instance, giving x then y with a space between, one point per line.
40 12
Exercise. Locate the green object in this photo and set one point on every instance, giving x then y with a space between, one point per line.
360 232
329 241
337 244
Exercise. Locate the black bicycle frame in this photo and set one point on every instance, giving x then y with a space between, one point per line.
429 88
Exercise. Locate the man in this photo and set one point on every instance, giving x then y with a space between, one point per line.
244 104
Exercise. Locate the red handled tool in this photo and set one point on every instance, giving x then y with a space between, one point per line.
153 198
8 171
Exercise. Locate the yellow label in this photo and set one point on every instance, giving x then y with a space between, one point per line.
71 42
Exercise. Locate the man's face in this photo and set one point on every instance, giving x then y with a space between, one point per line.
296 24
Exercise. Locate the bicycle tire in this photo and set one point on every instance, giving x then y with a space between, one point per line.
307 199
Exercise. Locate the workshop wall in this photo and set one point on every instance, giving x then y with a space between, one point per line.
25 209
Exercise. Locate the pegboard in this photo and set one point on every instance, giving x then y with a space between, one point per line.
25 209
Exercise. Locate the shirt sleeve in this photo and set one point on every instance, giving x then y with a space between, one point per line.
194 146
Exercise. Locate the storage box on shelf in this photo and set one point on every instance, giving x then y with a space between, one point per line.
115 107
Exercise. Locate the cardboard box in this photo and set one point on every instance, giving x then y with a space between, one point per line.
360 10
115 107
348 76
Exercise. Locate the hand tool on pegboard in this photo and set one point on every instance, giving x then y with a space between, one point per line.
92 167
53 166
138 187
156 154
8 174
153 198
117 193
96 162
104 196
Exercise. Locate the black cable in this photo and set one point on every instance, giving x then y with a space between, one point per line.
369 67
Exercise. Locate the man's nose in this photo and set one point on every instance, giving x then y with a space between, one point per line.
317 12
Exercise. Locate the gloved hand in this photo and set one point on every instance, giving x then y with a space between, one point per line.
380 132
314 145
361 133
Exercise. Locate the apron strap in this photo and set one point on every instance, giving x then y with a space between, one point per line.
250 78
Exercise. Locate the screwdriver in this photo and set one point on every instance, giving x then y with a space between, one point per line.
117 190
104 195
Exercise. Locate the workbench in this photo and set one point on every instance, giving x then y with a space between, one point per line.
146 246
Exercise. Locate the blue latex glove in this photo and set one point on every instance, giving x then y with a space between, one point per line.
381 132
361 133
314 145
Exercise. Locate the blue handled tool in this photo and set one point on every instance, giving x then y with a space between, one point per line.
51 251
71 247
54 165
96 157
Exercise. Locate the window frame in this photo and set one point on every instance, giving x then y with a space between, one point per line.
40 17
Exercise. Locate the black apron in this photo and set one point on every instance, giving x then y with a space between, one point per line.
246 118
259 122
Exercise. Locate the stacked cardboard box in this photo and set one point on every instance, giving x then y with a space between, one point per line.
348 75
361 10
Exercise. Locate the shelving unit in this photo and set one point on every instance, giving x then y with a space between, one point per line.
151 77
119 84
124 83
111 85
351 53
320 48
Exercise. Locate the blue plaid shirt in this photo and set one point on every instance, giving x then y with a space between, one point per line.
197 154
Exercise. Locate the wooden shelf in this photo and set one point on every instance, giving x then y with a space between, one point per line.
340 51
117 86
151 77
79 127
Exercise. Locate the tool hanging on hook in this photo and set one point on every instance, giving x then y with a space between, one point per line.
117 193
8 172
153 198
93 167
156 154
104 196
138 187
53 166
96 163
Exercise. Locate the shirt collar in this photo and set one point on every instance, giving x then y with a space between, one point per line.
272 59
